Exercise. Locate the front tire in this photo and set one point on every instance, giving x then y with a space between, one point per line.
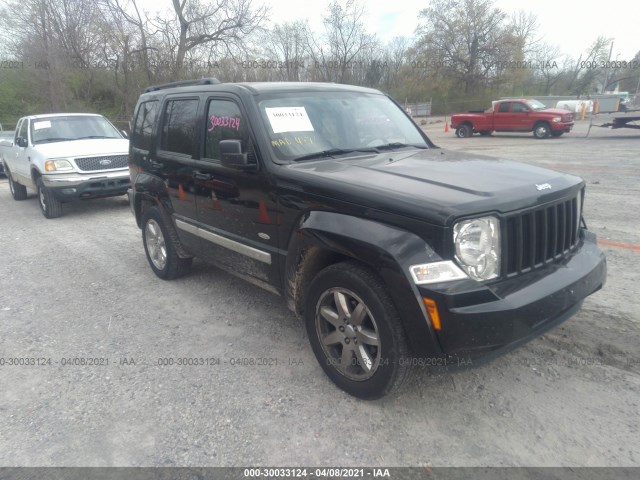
541 130
160 243
355 331
18 192
464 131
50 206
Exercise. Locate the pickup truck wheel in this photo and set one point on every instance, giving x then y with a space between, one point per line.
50 206
18 192
464 131
541 130
355 331
160 246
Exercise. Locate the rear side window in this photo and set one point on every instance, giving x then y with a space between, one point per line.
224 122
141 137
179 126
504 107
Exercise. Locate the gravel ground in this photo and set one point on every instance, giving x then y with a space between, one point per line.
79 287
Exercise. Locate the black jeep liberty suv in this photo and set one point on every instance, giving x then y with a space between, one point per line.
391 249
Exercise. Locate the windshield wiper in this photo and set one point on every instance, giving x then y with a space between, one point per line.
394 145
335 151
53 139
93 136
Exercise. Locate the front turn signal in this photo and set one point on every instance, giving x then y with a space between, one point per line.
432 310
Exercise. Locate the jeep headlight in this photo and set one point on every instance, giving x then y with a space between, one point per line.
477 243
59 165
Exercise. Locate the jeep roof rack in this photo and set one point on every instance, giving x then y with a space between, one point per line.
183 83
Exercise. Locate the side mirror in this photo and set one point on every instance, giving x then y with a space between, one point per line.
21 142
232 156
124 133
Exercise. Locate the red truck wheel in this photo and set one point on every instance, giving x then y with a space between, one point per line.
541 130
464 131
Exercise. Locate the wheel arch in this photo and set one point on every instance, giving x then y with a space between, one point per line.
150 191
325 238
35 174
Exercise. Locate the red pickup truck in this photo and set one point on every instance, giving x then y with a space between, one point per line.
515 115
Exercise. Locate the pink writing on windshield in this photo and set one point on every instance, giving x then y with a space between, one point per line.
228 122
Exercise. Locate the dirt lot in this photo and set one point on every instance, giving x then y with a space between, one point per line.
80 287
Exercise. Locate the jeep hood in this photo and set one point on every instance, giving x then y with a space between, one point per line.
84 148
435 185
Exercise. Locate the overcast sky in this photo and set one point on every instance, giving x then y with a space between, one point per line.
570 24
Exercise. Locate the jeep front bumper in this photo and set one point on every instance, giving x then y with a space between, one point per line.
485 320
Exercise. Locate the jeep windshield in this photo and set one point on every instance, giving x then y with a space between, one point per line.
316 125
72 127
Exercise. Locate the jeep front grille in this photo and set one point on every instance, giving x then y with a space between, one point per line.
102 163
540 235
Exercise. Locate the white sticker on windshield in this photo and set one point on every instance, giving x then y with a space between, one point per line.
41 125
289 119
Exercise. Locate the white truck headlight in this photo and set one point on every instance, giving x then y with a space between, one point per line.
477 243
556 119
59 165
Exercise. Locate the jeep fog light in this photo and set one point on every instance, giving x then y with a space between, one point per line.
436 272
477 243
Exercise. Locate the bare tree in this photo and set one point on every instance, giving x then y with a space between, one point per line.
343 40
129 12
287 45
524 27
218 23
549 65
57 37
464 37
586 71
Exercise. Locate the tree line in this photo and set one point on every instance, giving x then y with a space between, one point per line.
98 55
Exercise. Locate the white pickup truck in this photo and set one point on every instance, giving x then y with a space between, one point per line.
65 157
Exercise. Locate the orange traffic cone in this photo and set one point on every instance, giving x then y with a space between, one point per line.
215 203
181 194
263 215
446 125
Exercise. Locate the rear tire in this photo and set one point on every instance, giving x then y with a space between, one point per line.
160 242
18 192
355 331
464 131
50 206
